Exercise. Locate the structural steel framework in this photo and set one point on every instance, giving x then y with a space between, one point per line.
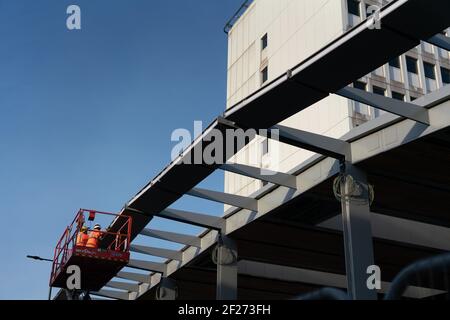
261 237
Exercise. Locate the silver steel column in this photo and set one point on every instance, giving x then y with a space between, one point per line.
225 255
357 233
167 290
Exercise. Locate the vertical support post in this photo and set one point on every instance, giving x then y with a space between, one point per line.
355 201
167 290
225 256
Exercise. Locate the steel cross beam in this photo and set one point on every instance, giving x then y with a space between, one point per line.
133 276
278 178
225 198
147 265
400 108
172 237
112 294
157 252
440 41
326 146
132 287
197 219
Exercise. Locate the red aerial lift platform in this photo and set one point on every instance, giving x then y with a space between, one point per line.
97 265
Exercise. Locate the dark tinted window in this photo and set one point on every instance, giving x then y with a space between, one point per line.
445 75
395 63
378 90
398 96
411 64
360 85
264 75
353 7
429 70
264 42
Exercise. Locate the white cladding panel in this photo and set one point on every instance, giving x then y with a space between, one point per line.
295 30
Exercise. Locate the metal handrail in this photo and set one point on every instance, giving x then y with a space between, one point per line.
325 294
236 16
437 264
67 242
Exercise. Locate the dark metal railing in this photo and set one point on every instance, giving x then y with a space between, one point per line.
236 16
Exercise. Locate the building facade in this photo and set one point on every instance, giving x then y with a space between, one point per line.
272 37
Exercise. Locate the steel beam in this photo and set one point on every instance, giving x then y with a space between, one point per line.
400 108
357 233
173 237
440 41
327 146
319 278
142 278
227 269
112 294
225 198
200 220
132 287
278 178
147 265
197 219
157 252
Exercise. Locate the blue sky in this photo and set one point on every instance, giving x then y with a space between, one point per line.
86 116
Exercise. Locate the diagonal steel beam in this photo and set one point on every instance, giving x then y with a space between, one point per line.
278 178
134 276
400 108
112 294
225 198
440 41
173 237
157 252
147 265
197 219
326 146
132 287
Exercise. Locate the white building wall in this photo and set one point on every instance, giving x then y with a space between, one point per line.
297 29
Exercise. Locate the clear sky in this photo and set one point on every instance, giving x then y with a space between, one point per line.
86 116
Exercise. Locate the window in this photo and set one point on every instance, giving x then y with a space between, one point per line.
429 70
264 75
445 75
264 42
398 96
360 85
378 90
395 62
411 64
353 7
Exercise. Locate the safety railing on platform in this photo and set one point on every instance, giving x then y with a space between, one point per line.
111 240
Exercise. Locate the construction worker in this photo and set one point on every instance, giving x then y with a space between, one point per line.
94 237
82 237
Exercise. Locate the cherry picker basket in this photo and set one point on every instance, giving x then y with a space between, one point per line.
99 264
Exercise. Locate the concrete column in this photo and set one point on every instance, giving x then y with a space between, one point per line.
357 233
225 256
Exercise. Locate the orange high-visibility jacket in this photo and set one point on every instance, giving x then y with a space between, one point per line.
94 239
82 239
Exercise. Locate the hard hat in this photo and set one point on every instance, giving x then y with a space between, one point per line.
84 228
97 226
